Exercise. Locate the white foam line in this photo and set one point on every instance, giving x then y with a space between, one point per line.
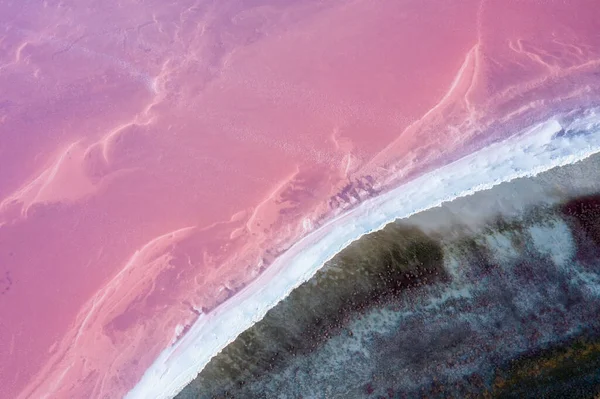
529 153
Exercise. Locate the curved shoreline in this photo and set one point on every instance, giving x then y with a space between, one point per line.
534 150
441 303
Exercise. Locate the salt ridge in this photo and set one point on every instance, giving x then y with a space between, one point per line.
527 153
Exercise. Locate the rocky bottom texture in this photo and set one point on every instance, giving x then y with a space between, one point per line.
492 295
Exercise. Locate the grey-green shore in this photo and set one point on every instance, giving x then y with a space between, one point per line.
492 295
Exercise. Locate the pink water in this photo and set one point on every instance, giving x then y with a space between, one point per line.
156 156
